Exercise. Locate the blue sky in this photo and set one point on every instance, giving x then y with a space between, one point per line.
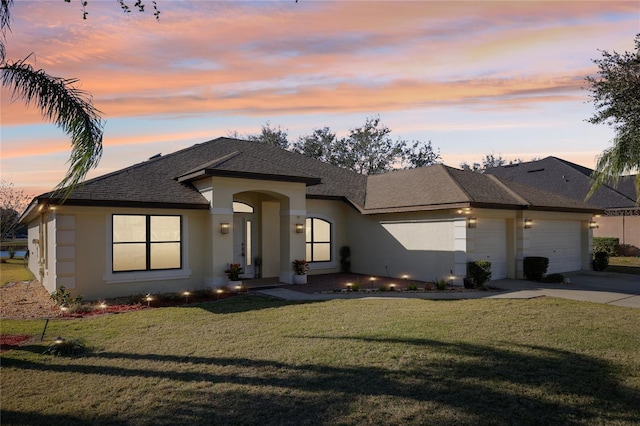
473 78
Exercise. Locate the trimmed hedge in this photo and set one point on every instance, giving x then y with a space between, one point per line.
609 245
535 267
480 271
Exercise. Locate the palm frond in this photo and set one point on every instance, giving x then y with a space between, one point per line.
5 24
66 106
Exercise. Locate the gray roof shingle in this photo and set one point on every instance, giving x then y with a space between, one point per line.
164 181
566 179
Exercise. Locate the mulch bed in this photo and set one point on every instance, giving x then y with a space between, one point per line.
12 341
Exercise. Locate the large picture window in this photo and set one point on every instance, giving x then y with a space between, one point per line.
146 242
318 240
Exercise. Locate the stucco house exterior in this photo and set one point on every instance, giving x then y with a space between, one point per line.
621 217
175 222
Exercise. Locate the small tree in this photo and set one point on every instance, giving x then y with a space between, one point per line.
12 202
271 136
614 92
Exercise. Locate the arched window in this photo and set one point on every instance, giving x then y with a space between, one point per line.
318 240
240 207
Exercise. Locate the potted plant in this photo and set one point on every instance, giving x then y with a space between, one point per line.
300 267
233 272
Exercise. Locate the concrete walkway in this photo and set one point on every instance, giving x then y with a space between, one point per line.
598 287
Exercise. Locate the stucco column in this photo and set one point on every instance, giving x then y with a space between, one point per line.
462 240
220 212
292 243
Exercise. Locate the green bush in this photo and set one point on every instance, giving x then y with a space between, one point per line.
62 347
412 287
600 261
62 297
535 267
441 285
480 271
609 245
345 259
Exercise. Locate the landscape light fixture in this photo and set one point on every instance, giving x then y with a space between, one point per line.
224 228
471 222
593 224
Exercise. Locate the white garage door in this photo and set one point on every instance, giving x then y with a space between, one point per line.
491 245
560 241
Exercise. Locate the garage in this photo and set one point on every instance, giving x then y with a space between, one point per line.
560 241
491 245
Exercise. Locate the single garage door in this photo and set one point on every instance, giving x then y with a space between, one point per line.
560 241
491 245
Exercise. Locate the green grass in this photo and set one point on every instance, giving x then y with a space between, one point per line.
625 265
251 360
14 270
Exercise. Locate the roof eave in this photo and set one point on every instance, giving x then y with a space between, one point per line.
308 181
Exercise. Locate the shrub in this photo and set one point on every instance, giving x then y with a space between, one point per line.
62 347
600 261
345 259
535 267
63 297
441 285
12 251
412 287
609 245
553 278
480 271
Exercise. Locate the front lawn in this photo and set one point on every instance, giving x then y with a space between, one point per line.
253 360
14 270
625 265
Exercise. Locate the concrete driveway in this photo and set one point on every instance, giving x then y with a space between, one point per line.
598 287
589 286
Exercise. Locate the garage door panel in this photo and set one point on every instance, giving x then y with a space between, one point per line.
560 241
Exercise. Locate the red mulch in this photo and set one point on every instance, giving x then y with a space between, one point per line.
12 341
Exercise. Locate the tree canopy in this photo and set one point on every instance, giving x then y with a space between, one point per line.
368 149
615 93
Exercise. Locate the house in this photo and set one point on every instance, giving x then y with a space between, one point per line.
621 218
175 222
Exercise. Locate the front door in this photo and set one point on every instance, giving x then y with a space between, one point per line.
243 242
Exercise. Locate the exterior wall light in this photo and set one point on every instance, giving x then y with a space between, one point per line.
224 228
528 224
593 224
299 228
471 222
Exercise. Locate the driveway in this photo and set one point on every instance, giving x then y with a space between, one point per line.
598 287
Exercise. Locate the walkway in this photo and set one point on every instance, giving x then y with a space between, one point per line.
598 287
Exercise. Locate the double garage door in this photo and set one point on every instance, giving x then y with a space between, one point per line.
560 241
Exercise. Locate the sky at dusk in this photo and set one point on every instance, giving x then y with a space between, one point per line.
474 78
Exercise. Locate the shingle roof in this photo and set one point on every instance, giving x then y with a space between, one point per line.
439 186
155 182
165 181
566 179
